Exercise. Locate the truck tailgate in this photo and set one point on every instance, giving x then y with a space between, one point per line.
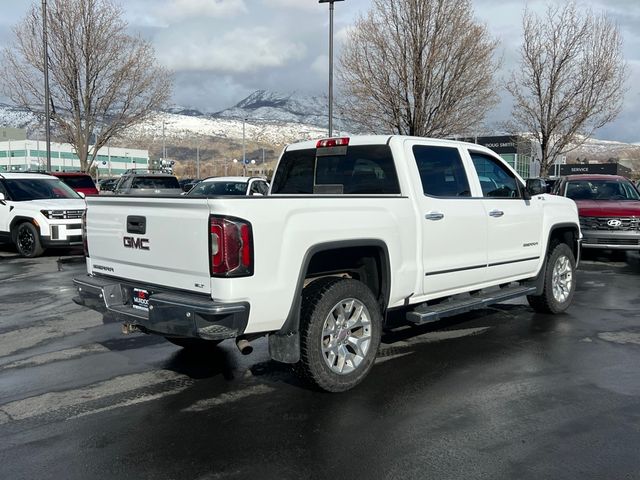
163 241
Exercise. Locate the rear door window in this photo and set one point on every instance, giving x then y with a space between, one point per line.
441 171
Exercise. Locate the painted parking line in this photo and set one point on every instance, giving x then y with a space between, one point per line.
622 338
228 397
60 355
71 403
23 338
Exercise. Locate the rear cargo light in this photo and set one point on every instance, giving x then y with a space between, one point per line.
231 245
85 244
333 142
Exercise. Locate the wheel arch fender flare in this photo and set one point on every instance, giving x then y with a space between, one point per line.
17 220
284 345
574 228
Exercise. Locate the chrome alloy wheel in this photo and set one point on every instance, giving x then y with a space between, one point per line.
346 336
562 279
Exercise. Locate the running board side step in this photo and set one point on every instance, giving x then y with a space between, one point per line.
432 313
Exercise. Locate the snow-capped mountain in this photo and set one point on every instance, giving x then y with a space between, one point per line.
278 107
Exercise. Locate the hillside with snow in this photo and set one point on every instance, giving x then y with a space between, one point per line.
272 119
179 126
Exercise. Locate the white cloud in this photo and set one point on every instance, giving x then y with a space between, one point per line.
182 9
295 4
238 51
321 65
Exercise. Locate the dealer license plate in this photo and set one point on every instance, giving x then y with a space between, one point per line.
141 299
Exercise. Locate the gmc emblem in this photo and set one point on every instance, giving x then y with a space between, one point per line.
136 243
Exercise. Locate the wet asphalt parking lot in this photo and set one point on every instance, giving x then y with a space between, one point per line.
499 393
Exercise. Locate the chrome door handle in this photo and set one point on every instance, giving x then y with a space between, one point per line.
496 213
434 216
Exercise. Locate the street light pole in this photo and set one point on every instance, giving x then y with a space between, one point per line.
47 114
164 145
330 2
198 161
244 149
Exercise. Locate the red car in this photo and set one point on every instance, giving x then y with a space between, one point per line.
609 209
80 182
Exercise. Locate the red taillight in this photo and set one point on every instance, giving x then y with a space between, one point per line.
85 244
231 247
333 142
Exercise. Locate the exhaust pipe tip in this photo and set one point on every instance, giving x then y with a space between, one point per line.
244 346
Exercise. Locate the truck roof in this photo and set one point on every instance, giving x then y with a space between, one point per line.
384 139
595 176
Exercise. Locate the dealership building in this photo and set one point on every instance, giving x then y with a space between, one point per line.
18 154
522 153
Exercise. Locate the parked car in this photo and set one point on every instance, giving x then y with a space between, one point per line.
609 209
187 183
107 184
551 183
39 211
145 182
80 182
215 186
352 230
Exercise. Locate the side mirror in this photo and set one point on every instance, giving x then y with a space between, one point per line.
82 195
256 194
2 199
536 186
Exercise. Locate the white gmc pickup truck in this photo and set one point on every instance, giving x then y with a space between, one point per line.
353 229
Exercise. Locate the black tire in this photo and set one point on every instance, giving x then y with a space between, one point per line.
548 302
193 344
27 240
320 299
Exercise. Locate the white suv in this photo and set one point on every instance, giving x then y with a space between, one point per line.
39 211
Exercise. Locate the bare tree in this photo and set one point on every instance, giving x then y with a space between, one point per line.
570 80
102 79
418 67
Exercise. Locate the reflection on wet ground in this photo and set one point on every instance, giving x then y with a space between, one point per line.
501 392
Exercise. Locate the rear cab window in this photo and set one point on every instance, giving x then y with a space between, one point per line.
155 182
78 181
351 170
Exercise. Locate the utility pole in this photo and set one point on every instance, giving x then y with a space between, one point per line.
47 114
330 2
198 161
244 150
164 145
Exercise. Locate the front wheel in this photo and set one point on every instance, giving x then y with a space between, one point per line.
559 282
28 240
340 329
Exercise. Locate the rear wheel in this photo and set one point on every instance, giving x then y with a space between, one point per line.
340 329
193 343
559 281
27 240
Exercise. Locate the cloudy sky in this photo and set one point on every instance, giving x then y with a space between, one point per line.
222 50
